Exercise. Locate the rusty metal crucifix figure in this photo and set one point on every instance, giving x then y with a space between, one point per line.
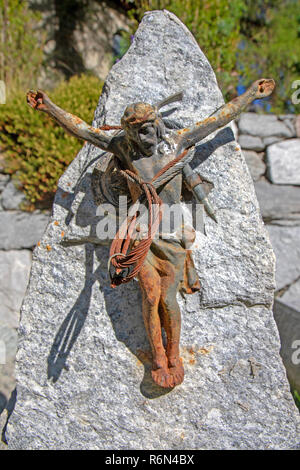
153 165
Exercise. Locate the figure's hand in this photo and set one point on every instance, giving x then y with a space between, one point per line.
38 100
263 87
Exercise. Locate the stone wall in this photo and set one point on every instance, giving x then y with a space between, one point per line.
78 39
271 148
20 231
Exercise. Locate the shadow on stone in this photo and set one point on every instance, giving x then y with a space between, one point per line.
73 323
3 401
205 150
9 406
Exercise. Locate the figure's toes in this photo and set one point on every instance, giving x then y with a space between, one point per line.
178 378
177 372
169 381
163 378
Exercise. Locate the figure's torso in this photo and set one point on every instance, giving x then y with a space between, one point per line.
148 166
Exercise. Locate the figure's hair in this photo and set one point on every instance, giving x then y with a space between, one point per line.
137 114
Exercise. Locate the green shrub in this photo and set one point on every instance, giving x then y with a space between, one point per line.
243 40
297 398
21 45
215 25
37 149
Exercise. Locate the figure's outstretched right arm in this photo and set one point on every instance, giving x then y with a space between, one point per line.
229 111
72 124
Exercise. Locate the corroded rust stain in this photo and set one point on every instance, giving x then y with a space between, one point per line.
183 131
206 121
76 120
206 350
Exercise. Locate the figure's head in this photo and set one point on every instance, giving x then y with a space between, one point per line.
143 126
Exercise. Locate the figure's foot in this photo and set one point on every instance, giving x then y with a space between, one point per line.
168 376
163 378
176 370
161 374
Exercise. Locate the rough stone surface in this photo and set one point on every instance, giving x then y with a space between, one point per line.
8 348
288 321
283 161
83 370
11 197
255 164
92 40
297 125
278 203
235 130
285 242
271 140
264 125
250 142
291 298
14 277
290 121
21 229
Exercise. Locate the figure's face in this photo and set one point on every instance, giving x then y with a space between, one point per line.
146 138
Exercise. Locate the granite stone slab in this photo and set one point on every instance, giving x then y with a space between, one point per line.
264 125
283 160
285 241
278 203
83 363
20 229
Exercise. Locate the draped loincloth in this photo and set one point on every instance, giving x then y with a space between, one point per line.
171 257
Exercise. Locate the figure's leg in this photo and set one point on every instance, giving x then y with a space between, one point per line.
171 320
150 281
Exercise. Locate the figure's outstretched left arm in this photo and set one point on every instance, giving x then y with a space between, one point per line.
72 124
190 136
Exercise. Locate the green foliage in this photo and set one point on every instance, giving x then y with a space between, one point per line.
216 26
243 40
21 45
297 398
37 149
125 42
272 47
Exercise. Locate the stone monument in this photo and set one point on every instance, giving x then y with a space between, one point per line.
83 363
